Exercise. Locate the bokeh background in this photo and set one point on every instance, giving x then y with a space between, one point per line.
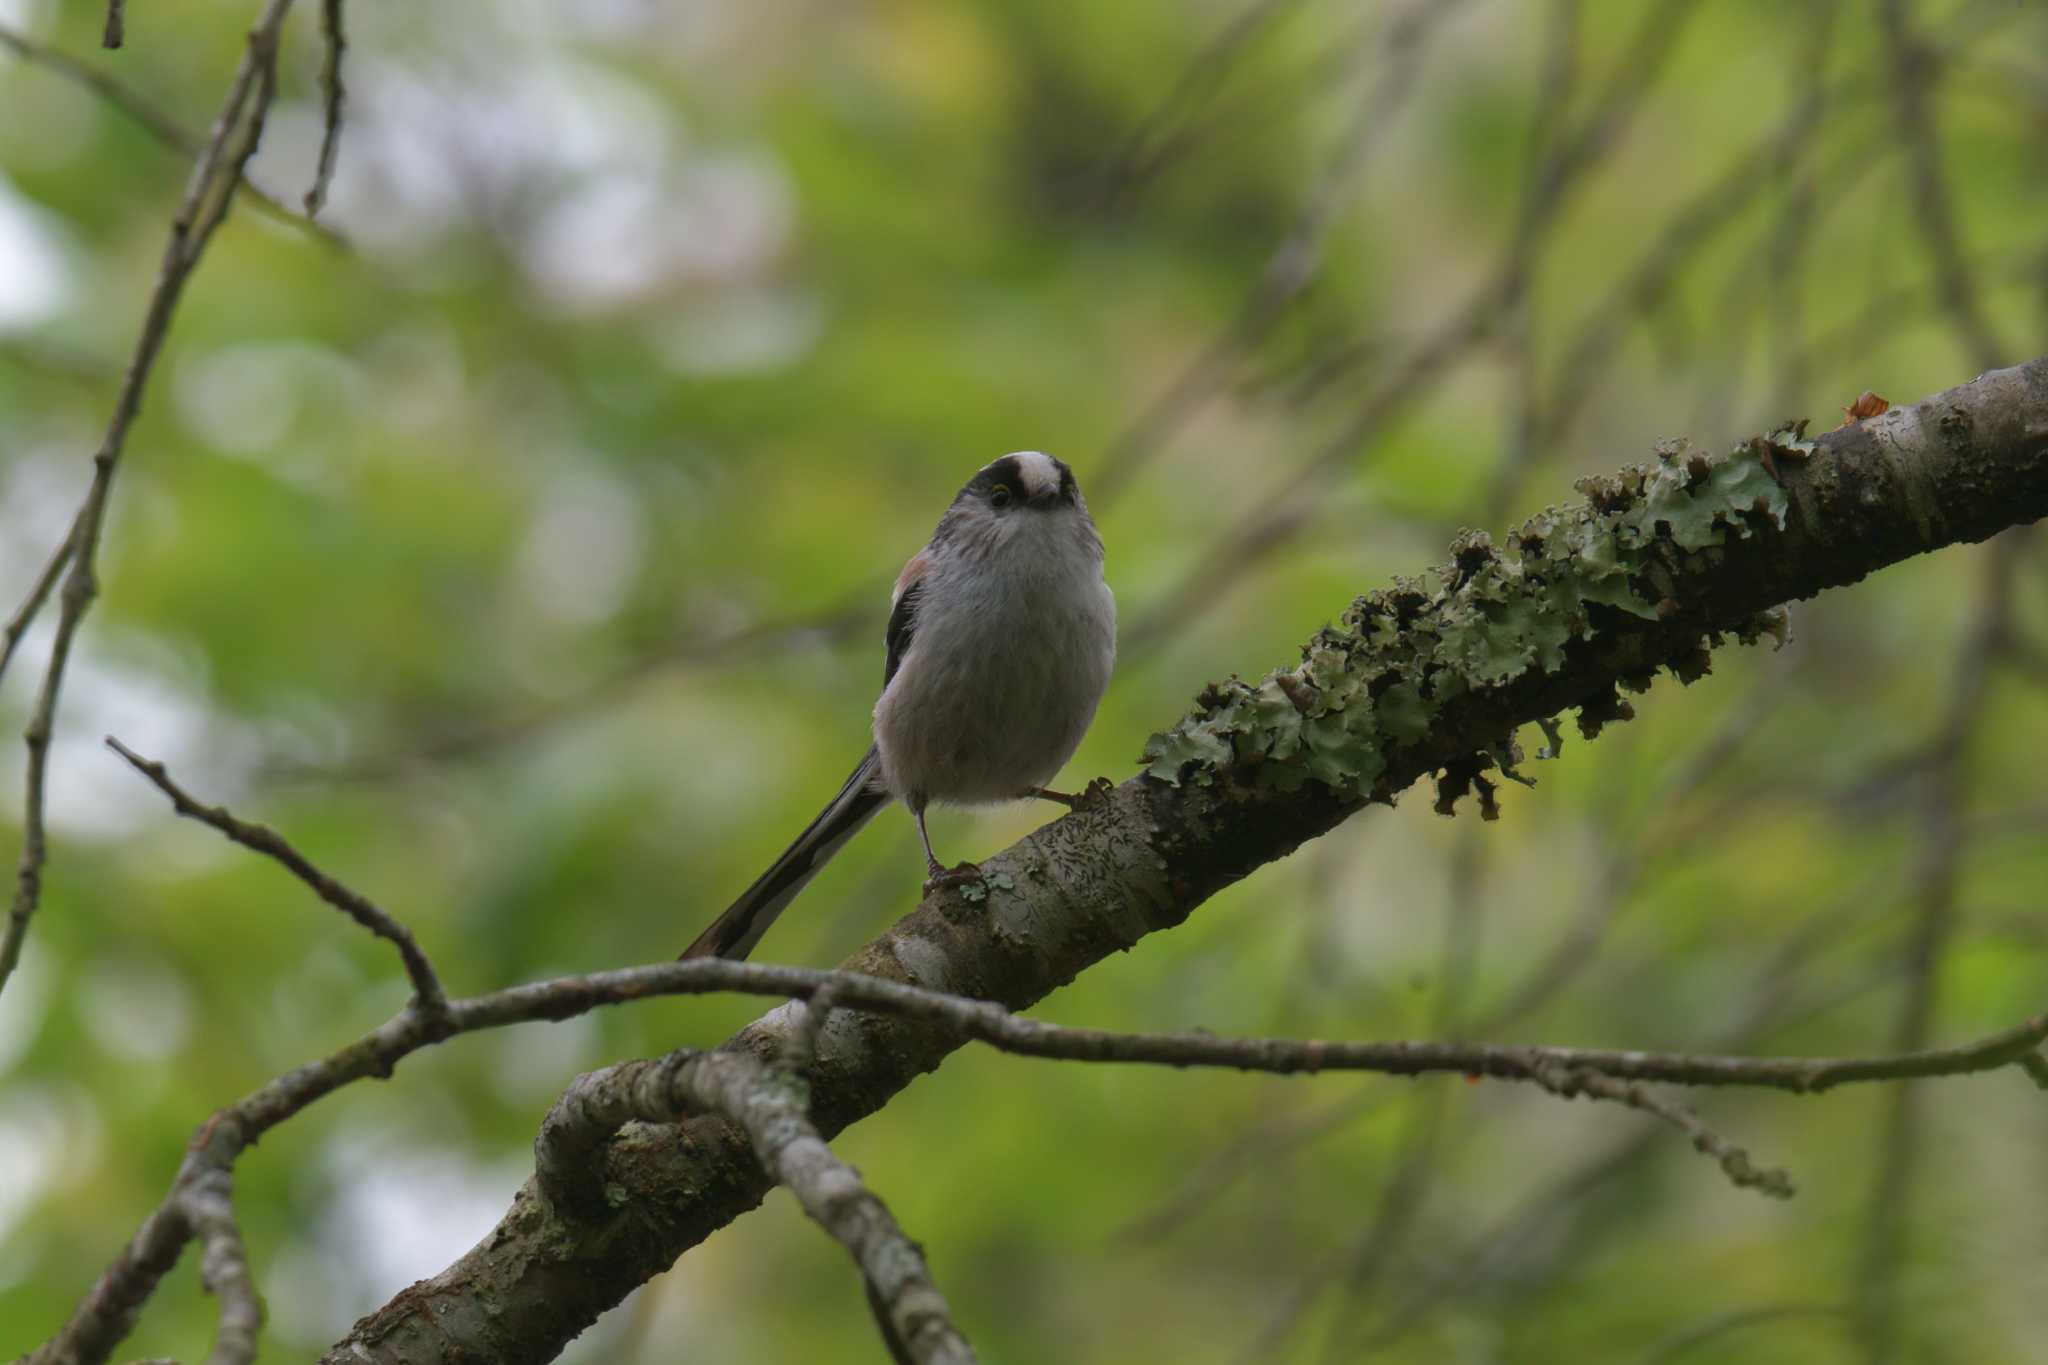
526 562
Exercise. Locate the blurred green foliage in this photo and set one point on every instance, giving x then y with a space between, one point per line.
527 565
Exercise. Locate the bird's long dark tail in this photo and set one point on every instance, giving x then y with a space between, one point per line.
734 933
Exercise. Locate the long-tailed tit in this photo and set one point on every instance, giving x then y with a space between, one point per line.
1001 637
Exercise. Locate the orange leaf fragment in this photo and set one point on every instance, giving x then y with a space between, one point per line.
1869 405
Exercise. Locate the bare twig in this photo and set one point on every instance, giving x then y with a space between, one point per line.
116 31
769 1106
1279 518
802 1050
336 97
207 194
224 1265
1934 889
1798 190
426 986
1914 67
1427 1131
1681 1342
855 611
1571 1082
1292 265
156 122
107 1314
1451 1278
25 615
1156 139
1690 230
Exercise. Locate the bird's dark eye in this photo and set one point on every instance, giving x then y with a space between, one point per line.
999 496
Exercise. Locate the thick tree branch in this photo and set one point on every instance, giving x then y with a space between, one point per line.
1957 467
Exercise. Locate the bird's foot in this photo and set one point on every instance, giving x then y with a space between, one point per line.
944 878
1094 794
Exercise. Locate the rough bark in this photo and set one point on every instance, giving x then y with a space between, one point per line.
1682 552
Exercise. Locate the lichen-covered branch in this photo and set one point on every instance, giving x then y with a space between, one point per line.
767 1103
1433 676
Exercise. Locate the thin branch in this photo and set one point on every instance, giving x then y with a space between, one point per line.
769 1106
1427 1136
854 613
1914 66
1450 1279
107 1314
1292 265
1681 1342
25 615
1935 883
336 97
1571 1082
426 986
116 30
989 1023
1689 231
156 122
224 1265
207 193
1504 1253
1156 140
1281 516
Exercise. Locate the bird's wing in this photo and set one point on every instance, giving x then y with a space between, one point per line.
903 613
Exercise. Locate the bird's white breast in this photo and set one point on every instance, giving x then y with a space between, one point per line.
1011 653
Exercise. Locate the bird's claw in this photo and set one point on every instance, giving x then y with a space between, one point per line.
1094 794
946 878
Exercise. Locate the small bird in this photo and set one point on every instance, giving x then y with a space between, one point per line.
1002 634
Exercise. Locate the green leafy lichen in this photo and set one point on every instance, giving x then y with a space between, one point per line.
1380 676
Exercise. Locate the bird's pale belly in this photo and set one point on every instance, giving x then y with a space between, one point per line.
1029 707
